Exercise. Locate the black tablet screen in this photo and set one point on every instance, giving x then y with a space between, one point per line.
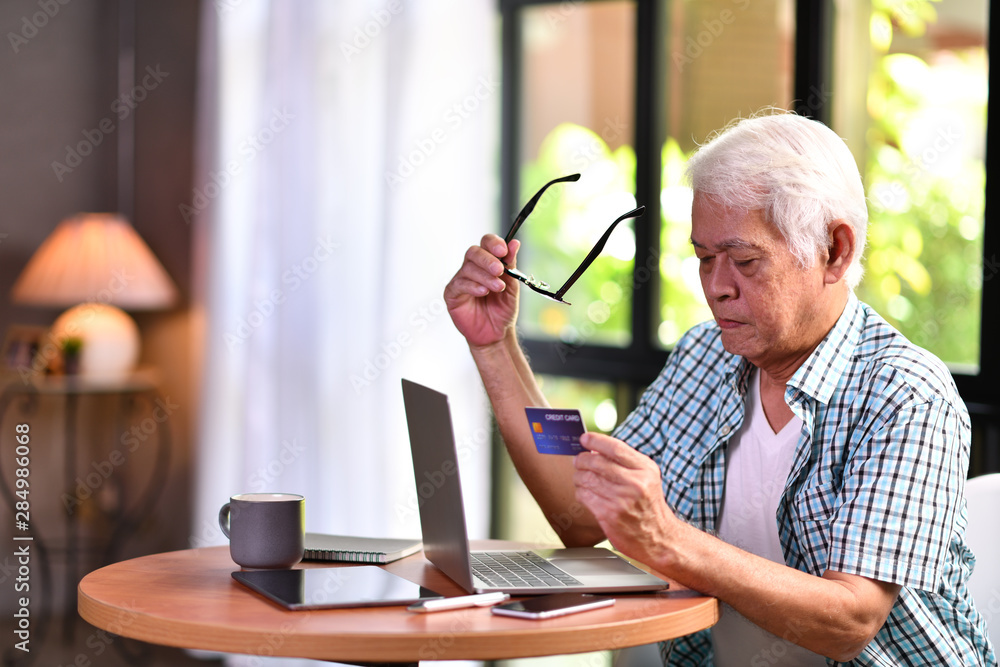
333 587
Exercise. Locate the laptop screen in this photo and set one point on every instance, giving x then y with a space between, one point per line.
439 490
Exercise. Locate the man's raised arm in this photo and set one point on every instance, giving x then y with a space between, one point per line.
482 302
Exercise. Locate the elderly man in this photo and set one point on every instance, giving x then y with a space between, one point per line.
797 458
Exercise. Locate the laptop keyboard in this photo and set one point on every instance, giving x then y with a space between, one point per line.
518 569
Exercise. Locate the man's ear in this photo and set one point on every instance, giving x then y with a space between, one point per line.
840 254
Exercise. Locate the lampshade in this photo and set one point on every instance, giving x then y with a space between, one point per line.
97 263
95 257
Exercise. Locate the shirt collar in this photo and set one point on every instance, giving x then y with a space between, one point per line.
819 376
737 373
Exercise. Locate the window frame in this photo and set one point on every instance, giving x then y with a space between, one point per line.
634 366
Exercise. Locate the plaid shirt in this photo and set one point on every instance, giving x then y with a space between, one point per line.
876 486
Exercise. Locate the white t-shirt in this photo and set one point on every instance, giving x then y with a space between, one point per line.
758 462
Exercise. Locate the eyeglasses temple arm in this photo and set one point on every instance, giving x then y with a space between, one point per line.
598 247
530 206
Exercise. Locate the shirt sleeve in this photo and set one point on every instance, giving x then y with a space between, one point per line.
901 493
691 359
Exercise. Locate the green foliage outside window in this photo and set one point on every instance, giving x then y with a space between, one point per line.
926 180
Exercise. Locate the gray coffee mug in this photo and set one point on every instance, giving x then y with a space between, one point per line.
265 530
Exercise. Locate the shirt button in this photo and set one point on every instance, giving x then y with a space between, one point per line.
725 429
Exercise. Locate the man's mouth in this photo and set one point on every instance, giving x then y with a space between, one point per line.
725 323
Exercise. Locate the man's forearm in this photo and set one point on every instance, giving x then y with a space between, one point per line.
511 386
835 615
506 374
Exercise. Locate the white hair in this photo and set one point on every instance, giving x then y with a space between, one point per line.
797 171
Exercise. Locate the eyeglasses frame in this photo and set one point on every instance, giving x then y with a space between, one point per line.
540 286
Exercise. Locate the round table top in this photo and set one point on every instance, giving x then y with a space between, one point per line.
188 599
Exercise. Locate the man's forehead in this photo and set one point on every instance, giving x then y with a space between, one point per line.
718 227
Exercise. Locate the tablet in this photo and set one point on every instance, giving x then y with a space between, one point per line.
334 587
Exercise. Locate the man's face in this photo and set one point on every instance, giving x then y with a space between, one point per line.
770 309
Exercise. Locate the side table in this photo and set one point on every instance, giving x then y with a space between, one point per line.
139 386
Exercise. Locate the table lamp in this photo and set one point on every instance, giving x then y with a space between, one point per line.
98 264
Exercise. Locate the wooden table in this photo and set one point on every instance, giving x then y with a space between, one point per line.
188 599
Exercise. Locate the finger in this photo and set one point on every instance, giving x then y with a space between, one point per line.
593 492
612 448
603 503
461 286
602 475
480 268
484 277
593 462
512 248
484 259
597 471
593 482
639 471
494 245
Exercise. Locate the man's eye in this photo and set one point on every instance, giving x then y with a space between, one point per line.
745 262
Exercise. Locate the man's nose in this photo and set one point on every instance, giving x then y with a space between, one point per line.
718 283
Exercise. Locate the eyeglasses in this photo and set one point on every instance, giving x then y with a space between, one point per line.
540 286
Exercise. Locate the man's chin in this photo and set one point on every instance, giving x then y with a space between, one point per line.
738 342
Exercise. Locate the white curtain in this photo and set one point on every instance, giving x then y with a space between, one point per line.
347 157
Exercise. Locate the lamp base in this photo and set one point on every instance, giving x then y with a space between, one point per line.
109 339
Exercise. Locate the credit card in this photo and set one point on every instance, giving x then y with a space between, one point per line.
556 431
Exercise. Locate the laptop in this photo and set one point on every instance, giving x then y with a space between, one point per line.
445 537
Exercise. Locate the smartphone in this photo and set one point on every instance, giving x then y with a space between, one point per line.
548 606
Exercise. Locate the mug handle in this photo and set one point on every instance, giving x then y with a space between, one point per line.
224 520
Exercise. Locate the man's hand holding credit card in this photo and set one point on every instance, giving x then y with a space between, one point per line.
556 431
